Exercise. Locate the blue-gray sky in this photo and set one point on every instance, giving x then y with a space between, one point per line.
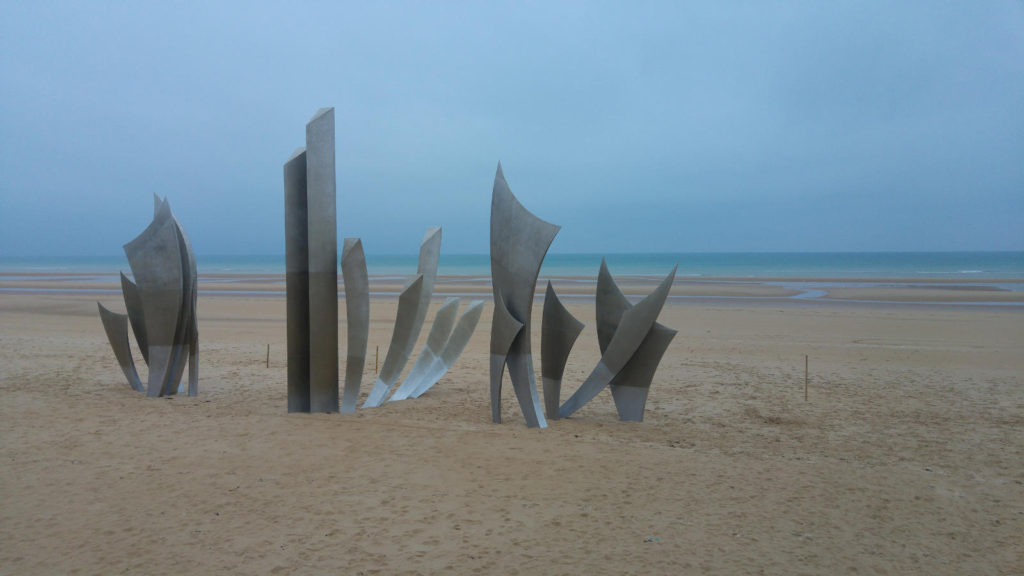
638 127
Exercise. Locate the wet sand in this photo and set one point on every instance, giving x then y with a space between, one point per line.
980 290
907 458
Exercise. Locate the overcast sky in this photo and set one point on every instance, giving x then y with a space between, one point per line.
656 127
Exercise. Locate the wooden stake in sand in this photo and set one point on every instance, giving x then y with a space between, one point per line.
268 355
805 377
375 357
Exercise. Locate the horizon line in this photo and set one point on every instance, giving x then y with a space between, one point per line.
566 253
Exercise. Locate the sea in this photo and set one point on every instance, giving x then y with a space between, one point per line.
743 265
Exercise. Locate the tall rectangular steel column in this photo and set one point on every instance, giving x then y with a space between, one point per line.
296 246
323 262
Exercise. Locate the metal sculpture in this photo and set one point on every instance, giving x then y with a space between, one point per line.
310 199
311 247
357 309
296 243
519 242
116 327
457 342
504 330
631 330
631 385
409 318
440 330
404 318
161 306
133 304
558 331
321 215
444 344
158 271
190 333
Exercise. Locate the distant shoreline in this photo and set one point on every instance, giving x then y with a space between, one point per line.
994 292
738 266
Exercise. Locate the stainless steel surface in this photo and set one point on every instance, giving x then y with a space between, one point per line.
632 329
156 263
464 328
296 247
639 371
116 327
404 319
440 330
519 242
321 217
558 332
357 319
410 315
504 330
187 333
133 304
161 306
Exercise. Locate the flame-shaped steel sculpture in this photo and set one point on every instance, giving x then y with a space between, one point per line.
440 331
622 331
630 386
357 311
558 331
409 318
444 346
453 348
161 306
519 242
116 326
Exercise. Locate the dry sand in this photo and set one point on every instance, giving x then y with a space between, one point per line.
908 457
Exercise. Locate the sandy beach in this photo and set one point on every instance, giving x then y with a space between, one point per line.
906 458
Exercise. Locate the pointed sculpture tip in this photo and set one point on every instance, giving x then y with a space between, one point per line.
350 245
415 279
670 279
501 185
298 152
158 204
164 206
502 194
431 231
321 112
